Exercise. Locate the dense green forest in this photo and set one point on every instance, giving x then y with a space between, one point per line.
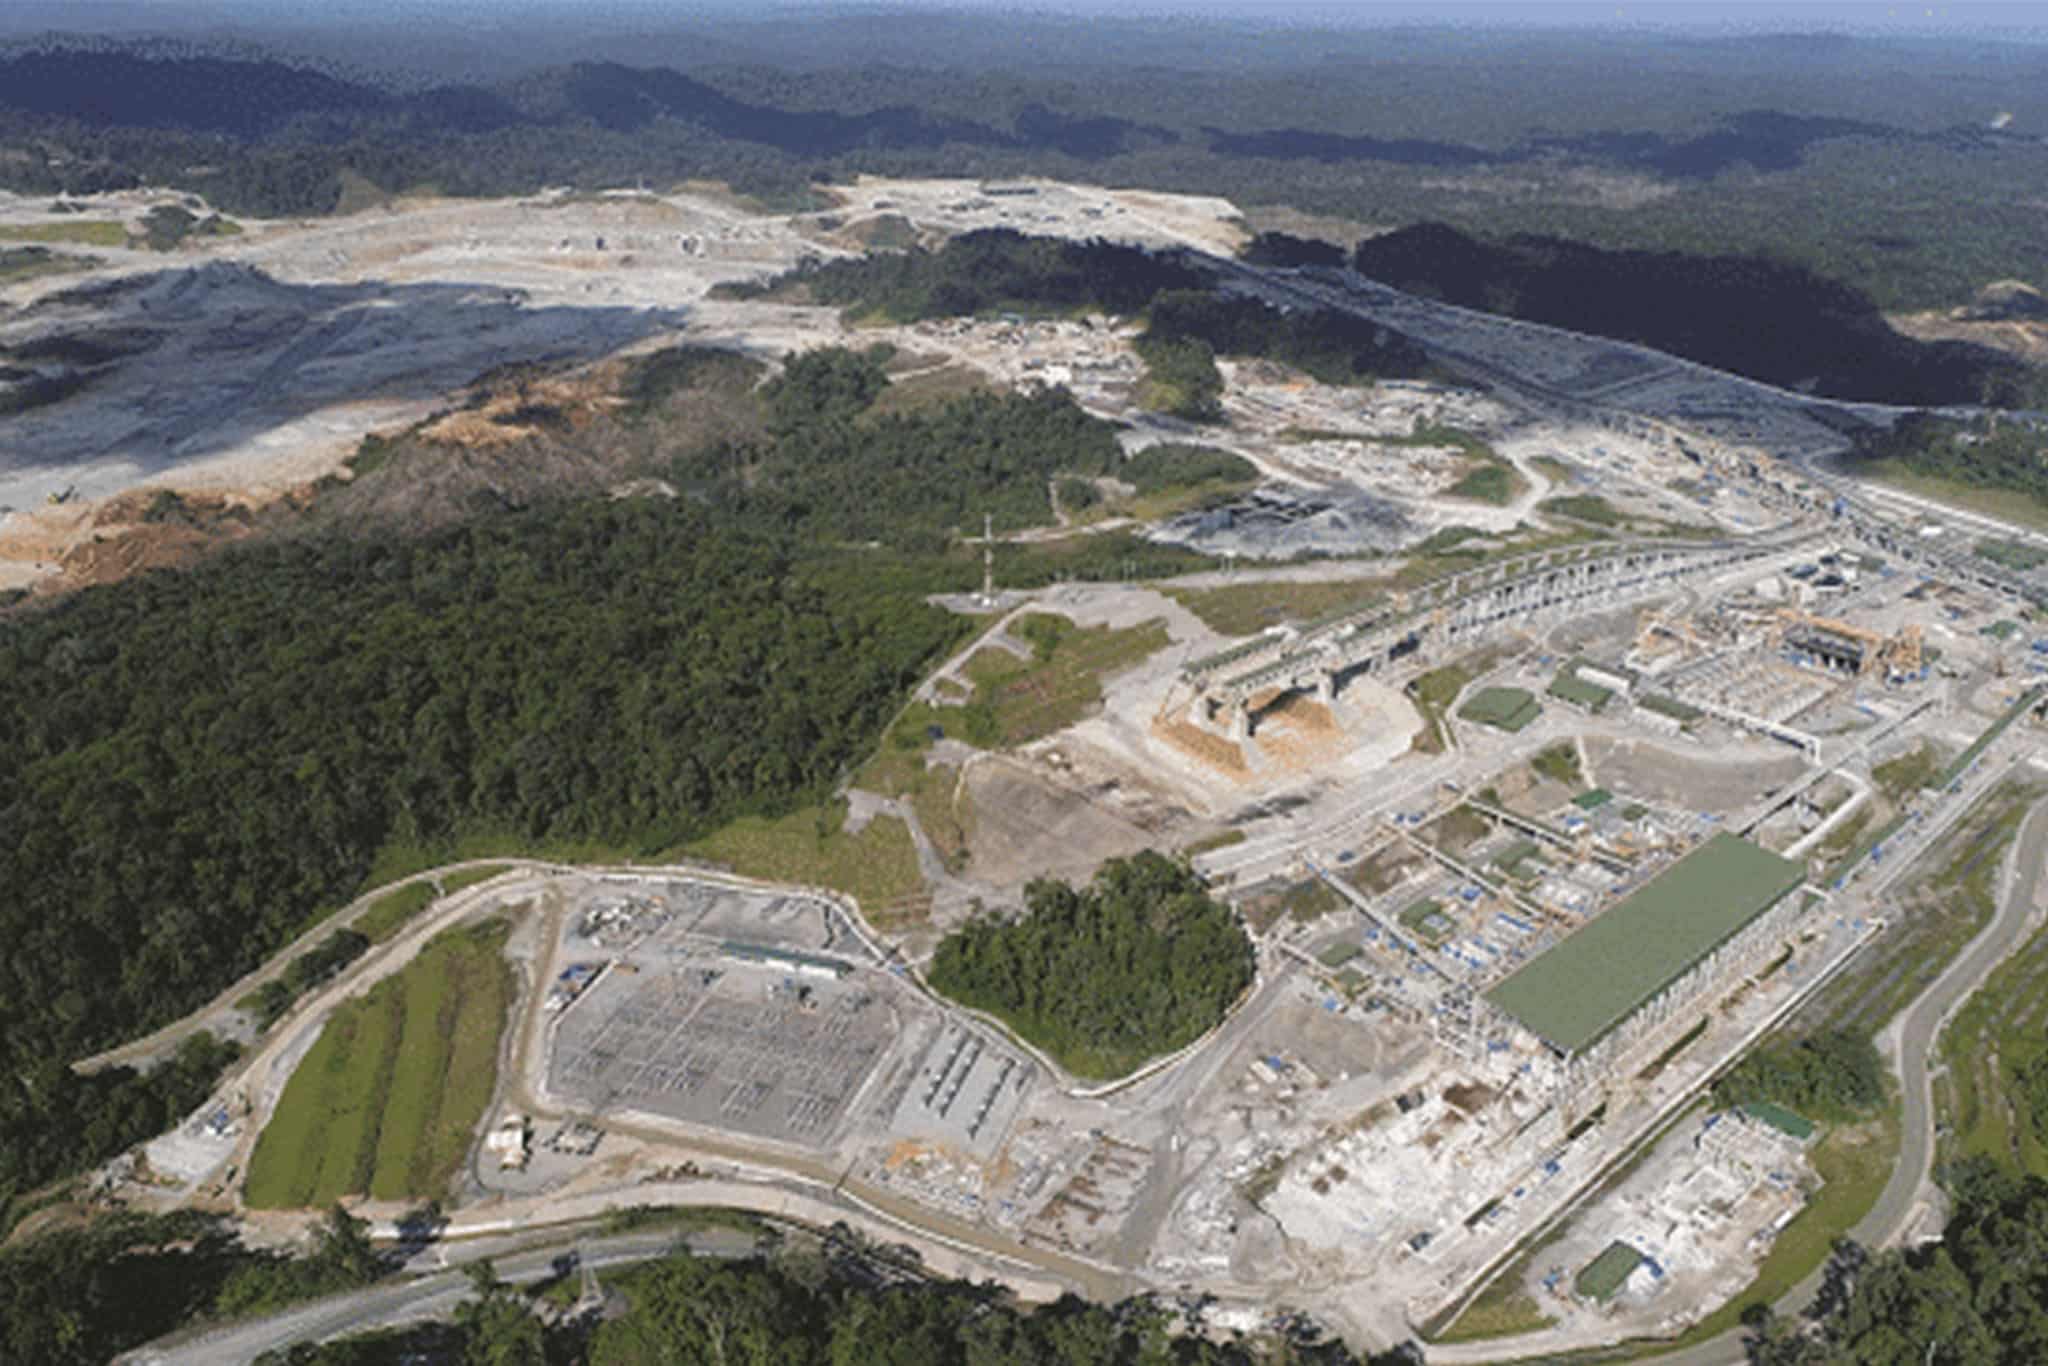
1847 176
193 764
988 271
54 1121
1336 348
2011 455
1976 1297
906 478
1752 315
1831 1075
79 1296
1138 963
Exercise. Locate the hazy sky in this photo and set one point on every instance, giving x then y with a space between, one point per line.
1747 14
1750 15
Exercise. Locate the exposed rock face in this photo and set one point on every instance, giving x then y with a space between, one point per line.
2005 301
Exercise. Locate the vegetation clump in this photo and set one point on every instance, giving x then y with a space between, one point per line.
81 1296
308 970
1834 1074
2010 456
54 1120
1138 963
1976 1294
1181 378
1336 348
988 271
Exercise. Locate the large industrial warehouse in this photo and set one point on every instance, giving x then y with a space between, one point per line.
1603 988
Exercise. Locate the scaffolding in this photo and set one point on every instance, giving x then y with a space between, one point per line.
1849 647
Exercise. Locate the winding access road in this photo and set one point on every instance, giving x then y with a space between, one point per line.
1911 1039
415 1301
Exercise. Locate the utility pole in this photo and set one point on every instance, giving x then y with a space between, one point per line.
988 560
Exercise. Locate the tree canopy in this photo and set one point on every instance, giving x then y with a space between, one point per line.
1138 963
1833 1074
758 1314
1336 348
992 269
1978 1297
2010 455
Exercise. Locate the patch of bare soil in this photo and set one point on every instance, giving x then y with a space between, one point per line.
2026 340
1209 748
1300 734
518 407
526 434
1026 825
146 529
1655 774
1317 227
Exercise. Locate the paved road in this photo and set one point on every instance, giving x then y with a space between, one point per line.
148 1049
414 1301
1914 1033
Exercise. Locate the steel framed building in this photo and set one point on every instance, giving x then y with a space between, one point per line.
1612 984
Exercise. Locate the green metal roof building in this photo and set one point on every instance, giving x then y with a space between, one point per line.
1599 976
1608 1272
1787 1122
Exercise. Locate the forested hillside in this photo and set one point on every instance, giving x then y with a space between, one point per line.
1762 318
902 478
2011 455
1642 142
1187 322
194 763
1978 1296
989 270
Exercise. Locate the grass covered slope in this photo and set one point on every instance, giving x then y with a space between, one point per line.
386 1101
1138 963
1017 701
1962 458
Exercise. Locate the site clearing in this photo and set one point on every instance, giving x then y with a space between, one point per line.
1543 798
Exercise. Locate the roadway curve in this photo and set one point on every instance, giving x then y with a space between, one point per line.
215 1015
1911 1038
415 1301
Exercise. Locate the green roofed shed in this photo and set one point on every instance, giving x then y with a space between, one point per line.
1569 687
1426 918
1608 1272
1338 954
1592 981
1778 1117
1682 712
1509 709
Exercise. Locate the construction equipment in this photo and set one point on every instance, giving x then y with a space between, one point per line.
1847 646
1669 623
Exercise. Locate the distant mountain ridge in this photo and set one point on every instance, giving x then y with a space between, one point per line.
246 94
